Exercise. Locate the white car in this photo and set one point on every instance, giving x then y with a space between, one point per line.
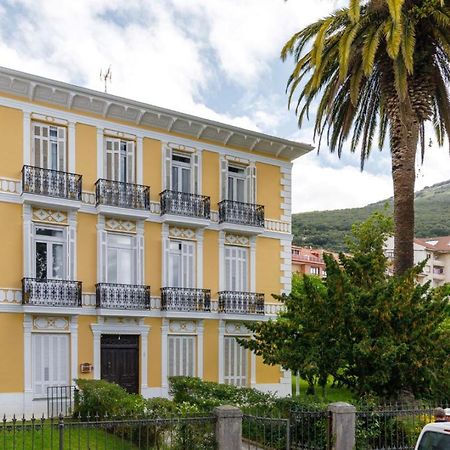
434 436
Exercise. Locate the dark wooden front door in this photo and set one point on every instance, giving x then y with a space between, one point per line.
120 360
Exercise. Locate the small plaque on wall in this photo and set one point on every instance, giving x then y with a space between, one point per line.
86 368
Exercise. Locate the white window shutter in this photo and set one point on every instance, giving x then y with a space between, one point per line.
62 134
251 183
181 357
131 170
236 362
195 173
167 167
224 178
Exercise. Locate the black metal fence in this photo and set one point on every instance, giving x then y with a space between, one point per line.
237 302
390 427
262 432
61 400
122 296
185 299
185 433
185 204
122 195
310 429
241 213
51 183
45 292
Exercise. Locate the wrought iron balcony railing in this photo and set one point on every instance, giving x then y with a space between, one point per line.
123 195
122 296
236 302
185 204
51 183
44 292
185 299
241 213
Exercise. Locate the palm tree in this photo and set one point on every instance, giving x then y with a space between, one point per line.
375 68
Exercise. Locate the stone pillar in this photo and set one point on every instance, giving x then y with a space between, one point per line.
343 425
228 428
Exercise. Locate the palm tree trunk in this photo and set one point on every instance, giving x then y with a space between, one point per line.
404 140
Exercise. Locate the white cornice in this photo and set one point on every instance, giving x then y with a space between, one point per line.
75 98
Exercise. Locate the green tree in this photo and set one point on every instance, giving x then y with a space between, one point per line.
374 333
377 68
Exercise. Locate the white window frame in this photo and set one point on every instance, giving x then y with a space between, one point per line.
235 177
45 354
181 166
60 141
125 152
237 268
48 240
133 255
177 345
187 263
249 168
235 372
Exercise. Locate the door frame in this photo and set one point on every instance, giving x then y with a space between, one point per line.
128 326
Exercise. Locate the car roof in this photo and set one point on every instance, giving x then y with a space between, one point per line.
438 426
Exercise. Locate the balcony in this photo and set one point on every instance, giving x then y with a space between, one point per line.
234 302
133 199
185 299
122 296
43 292
39 184
239 216
182 207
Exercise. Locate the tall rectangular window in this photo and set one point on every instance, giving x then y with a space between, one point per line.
236 184
181 264
120 259
181 179
49 253
236 268
119 160
235 362
50 362
49 146
181 356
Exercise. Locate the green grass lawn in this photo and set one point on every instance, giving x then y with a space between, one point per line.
47 438
332 394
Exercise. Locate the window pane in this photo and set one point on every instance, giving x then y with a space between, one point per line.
240 187
54 156
58 262
121 240
112 266
41 260
174 178
230 188
49 232
124 266
186 180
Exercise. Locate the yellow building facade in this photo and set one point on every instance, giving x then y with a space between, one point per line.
136 243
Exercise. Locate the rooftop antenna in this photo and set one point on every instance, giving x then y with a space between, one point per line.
106 76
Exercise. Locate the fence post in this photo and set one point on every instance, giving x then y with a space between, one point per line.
228 428
61 432
343 420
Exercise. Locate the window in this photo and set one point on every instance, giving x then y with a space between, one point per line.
181 264
120 259
236 268
181 173
432 440
50 253
119 160
50 362
236 363
236 184
314 271
181 356
49 146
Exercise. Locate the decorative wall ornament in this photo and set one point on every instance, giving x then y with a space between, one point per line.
126 226
49 119
10 186
182 326
181 233
88 198
236 328
51 323
236 239
235 159
181 148
13 296
121 321
49 216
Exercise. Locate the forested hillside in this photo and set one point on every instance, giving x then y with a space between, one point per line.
327 228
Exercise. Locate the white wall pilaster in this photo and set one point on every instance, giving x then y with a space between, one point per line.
74 347
26 138
100 132
165 251
140 254
200 236
220 349
71 147
200 329
164 337
27 364
27 241
221 261
101 249
72 245
144 361
139 160
253 264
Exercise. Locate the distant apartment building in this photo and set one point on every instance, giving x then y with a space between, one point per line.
437 250
308 261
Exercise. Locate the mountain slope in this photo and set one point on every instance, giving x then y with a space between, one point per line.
327 229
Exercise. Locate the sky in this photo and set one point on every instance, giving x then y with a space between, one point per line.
217 59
